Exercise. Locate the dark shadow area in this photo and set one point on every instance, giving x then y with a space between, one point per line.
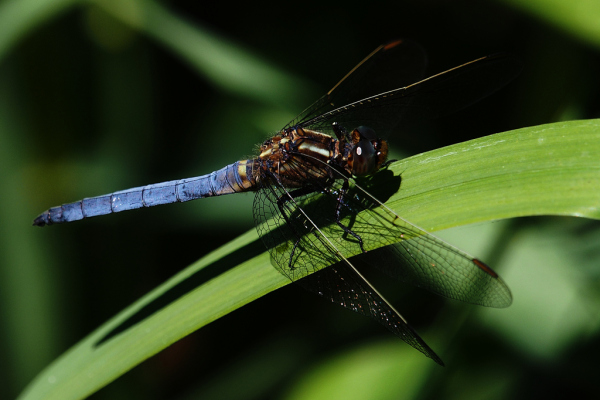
199 278
382 185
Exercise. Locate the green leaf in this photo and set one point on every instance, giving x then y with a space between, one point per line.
543 170
579 17
19 17
227 65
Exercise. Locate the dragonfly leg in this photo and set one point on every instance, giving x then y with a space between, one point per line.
340 202
343 138
340 132
387 164
290 264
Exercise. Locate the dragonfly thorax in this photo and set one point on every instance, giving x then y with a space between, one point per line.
298 149
296 156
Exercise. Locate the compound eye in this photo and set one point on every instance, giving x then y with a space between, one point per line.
366 133
364 158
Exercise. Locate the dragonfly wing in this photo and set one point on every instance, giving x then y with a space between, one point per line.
342 284
410 254
433 97
393 65
430 263
300 232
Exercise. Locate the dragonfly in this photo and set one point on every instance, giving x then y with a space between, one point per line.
310 208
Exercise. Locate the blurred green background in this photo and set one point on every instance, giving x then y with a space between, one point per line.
98 96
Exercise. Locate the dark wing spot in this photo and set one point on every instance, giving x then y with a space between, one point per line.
483 266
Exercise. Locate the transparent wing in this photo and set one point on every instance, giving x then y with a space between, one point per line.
302 240
425 261
342 284
393 101
393 65
410 254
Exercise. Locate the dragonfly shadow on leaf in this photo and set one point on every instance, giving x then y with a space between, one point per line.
382 185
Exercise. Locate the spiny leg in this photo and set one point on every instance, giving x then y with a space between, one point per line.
338 208
343 138
340 132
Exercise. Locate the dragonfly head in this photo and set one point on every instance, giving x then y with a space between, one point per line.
368 153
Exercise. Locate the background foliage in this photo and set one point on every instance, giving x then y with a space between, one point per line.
97 96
